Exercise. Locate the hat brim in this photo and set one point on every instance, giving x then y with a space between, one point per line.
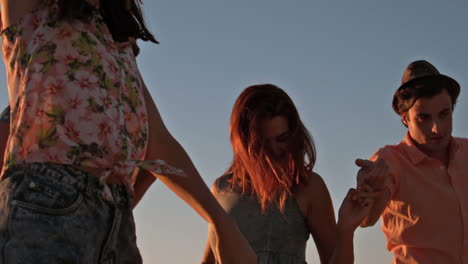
454 86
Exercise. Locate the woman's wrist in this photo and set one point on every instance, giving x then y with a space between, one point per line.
345 234
345 230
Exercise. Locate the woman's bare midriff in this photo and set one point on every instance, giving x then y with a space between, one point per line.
97 171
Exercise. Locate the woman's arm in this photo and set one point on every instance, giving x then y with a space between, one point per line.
4 133
14 10
143 181
352 212
231 246
313 197
334 242
208 255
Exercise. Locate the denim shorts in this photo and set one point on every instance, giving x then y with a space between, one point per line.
51 213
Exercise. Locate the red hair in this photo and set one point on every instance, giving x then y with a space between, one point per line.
254 170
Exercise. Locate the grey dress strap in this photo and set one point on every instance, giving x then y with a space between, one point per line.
277 238
5 115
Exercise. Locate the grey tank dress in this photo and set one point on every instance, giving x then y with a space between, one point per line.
277 238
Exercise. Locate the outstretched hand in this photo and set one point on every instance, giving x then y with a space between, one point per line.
373 173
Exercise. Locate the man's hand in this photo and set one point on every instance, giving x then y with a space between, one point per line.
375 174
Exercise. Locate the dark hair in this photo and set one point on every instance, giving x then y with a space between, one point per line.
405 97
124 18
253 169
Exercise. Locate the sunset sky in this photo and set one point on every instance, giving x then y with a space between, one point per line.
340 61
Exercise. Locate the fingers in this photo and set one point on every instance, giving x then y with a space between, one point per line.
364 163
372 173
364 194
379 174
362 210
366 187
366 191
366 208
361 195
352 194
365 173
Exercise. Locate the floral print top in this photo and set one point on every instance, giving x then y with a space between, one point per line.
76 97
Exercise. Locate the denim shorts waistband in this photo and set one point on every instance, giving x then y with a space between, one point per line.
73 177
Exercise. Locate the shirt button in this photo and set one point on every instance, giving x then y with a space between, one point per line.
32 185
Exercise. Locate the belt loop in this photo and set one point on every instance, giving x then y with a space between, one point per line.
115 194
89 183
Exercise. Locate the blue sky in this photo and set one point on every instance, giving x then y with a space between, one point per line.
340 61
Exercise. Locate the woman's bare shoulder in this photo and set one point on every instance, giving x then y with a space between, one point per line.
313 181
311 191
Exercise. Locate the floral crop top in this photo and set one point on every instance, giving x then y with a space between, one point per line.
76 97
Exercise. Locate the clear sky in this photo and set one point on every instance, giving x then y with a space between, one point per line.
340 61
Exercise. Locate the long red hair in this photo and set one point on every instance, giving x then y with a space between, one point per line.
254 170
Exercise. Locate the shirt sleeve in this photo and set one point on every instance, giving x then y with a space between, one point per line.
5 115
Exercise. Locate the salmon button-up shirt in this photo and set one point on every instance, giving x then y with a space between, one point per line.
426 220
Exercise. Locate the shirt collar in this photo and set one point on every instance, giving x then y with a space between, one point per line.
416 155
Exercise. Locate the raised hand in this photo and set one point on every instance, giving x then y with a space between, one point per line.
376 177
373 173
